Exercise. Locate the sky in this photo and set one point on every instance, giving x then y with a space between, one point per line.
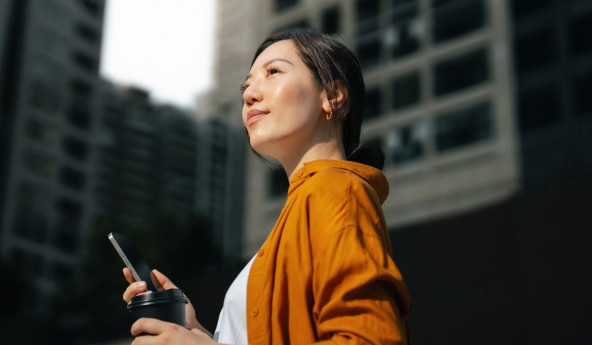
164 47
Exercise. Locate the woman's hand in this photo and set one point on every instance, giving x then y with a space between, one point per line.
153 331
161 282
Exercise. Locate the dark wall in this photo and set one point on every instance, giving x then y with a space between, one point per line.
513 273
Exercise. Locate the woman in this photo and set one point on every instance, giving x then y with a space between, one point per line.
325 273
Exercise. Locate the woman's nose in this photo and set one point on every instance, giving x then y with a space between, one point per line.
252 94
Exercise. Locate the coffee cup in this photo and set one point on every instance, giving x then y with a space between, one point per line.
166 305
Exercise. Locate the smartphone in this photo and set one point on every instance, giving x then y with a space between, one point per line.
132 258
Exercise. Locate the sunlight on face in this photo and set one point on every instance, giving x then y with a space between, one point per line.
283 106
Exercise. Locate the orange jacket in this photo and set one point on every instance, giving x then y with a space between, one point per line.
326 273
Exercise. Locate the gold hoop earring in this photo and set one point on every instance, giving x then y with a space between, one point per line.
329 115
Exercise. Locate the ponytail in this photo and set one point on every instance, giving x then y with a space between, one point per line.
369 154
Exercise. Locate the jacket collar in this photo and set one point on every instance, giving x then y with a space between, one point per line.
373 176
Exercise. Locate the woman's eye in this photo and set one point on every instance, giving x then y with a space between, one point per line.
273 71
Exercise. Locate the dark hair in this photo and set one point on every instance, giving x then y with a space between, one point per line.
334 66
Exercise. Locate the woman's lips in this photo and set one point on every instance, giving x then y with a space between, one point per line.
254 115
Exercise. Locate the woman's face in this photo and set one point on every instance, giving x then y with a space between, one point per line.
283 107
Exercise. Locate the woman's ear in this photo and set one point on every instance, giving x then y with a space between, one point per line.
337 97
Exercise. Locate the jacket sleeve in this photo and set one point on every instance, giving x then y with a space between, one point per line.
360 296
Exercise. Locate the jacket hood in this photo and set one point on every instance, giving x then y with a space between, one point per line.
373 176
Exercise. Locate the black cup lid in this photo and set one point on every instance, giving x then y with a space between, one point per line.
171 295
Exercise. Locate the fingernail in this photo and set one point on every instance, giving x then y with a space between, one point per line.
141 285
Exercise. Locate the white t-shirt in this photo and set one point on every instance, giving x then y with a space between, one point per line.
232 322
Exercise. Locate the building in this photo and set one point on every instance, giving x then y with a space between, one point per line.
439 99
146 156
222 180
50 54
553 65
74 147
482 108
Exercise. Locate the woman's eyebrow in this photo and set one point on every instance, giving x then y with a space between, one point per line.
275 60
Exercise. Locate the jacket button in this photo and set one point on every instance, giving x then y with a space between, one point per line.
261 252
254 312
299 174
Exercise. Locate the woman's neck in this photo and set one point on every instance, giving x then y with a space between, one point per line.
330 151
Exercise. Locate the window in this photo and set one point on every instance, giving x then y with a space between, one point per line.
406 144
330 20
538 107
75 148
72 178
85 62
69 214
388 32
373 102
463 127
401 4
452 19
91 7
534 50
68 207
282 5
460 72
299 24
366 17
369 51
406 90
403 33
366 30
80 88
78 117
87 33
403 37
521 8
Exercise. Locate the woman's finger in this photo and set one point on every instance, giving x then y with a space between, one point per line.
133 290
127 273
161 281
155 327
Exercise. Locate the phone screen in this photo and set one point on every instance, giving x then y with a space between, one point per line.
132 258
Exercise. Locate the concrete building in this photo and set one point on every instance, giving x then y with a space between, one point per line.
222 180
553 65
50 53
146 156
74 146
439 98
